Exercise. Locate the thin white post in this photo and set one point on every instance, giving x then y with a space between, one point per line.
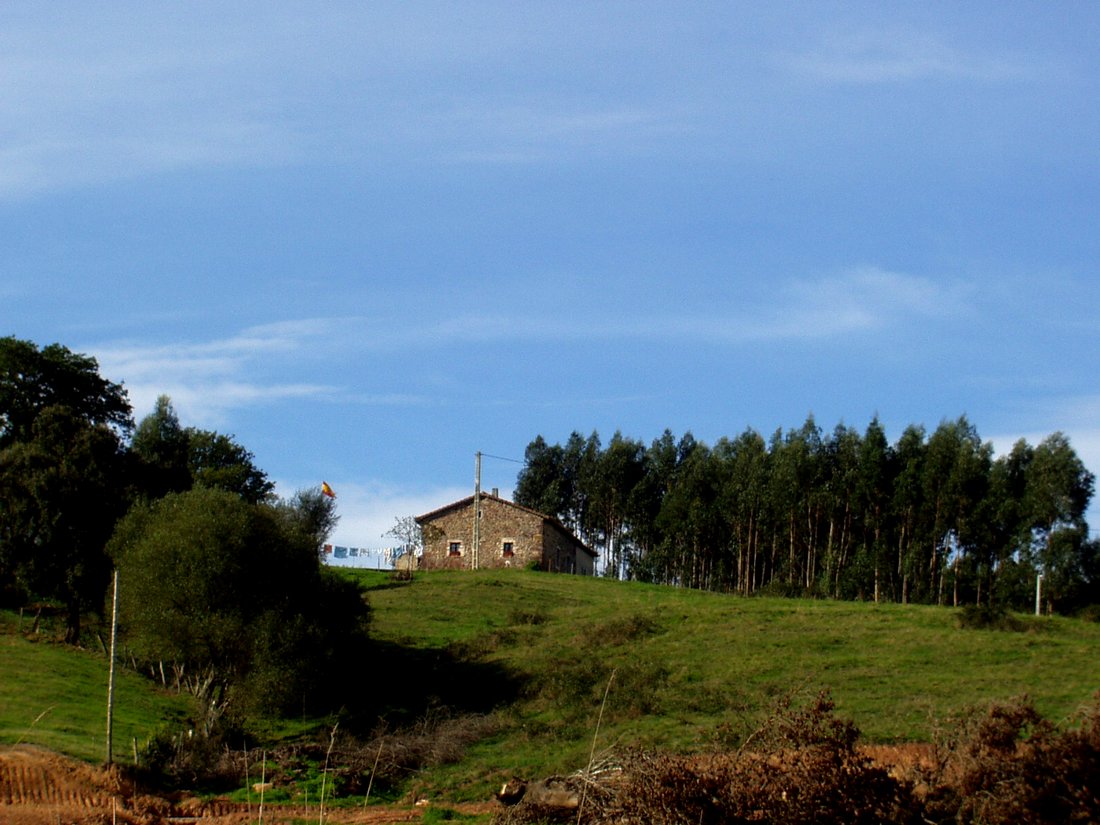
1038 594
111 671
477 513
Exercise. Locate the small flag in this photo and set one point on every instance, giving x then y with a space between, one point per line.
326 490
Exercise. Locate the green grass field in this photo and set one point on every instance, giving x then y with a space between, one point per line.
55 696
692 670
683 670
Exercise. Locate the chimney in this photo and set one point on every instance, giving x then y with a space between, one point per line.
496 493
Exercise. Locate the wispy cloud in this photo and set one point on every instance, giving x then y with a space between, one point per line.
127 96
478 133
863 298
858 300
888 56
94 97
207 379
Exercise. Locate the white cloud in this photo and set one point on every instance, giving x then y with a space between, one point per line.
97 96
881 56
109 96
861 299
864 298
207 380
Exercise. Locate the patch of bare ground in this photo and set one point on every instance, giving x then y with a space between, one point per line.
38 787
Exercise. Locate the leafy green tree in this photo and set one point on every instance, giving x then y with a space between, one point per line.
160 447
218 462
1056 496
33 380
843 507
61 473
796 500
745 467
875 486
580 461
956 478
541 484
658 468
847 515
172 459
615 474
1007 533
907 504
232 597
696 536
62 487
311 514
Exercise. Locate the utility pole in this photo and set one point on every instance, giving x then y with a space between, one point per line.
111 672
477 511
1038 594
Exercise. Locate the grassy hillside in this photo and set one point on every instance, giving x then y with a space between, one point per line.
55 696
536 653
691 670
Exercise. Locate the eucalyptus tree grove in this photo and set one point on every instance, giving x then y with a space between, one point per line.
932 518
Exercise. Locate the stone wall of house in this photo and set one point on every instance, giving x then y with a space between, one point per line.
501 525
561 553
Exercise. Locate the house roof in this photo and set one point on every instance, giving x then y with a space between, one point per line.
463 503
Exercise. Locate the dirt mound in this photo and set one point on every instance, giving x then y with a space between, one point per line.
38 787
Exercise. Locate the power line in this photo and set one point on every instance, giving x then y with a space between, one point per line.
503 458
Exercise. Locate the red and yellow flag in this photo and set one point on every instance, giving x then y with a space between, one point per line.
326 490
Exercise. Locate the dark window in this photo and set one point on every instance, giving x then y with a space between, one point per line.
507 549
454 548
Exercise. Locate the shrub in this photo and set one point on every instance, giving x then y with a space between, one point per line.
802 766
991 617
1006 764
626 629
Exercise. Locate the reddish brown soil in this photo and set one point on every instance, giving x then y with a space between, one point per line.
38 787
41 788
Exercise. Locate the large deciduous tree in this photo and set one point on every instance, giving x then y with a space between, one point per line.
62 474
62 490
172 458
1056 495
233 598
160 445
33 380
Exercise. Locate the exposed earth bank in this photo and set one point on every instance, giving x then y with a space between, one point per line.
38 787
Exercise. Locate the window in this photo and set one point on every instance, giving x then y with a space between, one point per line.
454 548
507 548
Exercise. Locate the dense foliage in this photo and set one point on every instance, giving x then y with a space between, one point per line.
931 518
221 583
230 597
171 459
62 475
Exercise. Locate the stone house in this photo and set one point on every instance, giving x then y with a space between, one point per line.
509 535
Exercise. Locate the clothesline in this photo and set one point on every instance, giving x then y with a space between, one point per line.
340 555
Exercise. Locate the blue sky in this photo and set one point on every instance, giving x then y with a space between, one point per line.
371 239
